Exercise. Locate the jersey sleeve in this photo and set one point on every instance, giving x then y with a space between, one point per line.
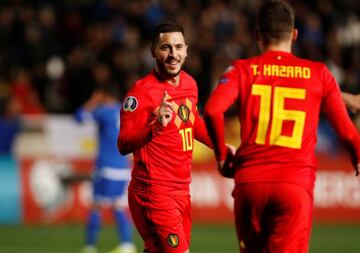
99 113
81 115
96 114
220 100
136 121
200 132
335 110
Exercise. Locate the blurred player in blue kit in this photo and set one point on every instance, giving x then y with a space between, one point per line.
112 173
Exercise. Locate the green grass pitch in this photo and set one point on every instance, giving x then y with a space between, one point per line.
205 238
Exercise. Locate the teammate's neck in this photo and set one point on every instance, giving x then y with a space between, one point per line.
282 46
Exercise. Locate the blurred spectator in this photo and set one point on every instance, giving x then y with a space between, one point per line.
76 86
116 33
24 94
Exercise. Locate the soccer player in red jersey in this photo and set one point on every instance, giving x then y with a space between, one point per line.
279 97
159 121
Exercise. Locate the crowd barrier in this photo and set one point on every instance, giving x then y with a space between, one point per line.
48 180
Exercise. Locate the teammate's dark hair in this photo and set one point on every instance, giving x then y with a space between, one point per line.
165 27
275 21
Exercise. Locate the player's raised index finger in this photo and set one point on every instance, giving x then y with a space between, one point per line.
168 105
165 97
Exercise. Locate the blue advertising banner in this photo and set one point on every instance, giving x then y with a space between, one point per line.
10 198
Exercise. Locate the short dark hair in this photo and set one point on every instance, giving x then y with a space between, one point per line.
164 27
275 21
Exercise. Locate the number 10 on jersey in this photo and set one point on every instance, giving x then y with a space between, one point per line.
279 115
187 138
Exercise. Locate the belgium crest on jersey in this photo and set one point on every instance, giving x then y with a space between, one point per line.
173 240
184 112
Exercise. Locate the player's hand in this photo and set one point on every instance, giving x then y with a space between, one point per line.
352 101
355 105
357 169
231 149
165 111
226 167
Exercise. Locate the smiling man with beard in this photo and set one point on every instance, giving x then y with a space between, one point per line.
159 122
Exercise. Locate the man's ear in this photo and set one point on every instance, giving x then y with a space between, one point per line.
295 34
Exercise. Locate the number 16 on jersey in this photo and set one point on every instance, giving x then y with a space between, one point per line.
279 115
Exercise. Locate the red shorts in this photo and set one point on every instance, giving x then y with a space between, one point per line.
163 221
273 217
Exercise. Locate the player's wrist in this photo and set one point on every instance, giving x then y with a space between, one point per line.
221 154
158 124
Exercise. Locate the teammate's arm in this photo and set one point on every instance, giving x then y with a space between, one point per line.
200 132
336 113
348 135
220 100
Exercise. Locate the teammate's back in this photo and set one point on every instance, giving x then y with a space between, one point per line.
280 97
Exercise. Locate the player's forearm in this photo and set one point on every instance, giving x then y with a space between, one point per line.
215 108
351 141
215 127
201 133
347 133
130 140
353 147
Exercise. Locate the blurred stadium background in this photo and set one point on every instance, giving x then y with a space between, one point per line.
53 54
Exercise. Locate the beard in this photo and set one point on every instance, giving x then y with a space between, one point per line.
165 72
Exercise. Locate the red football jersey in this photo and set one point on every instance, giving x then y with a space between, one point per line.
162 155
279 99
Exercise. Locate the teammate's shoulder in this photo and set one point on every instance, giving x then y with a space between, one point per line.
240 63
243 61
318 69
311 63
